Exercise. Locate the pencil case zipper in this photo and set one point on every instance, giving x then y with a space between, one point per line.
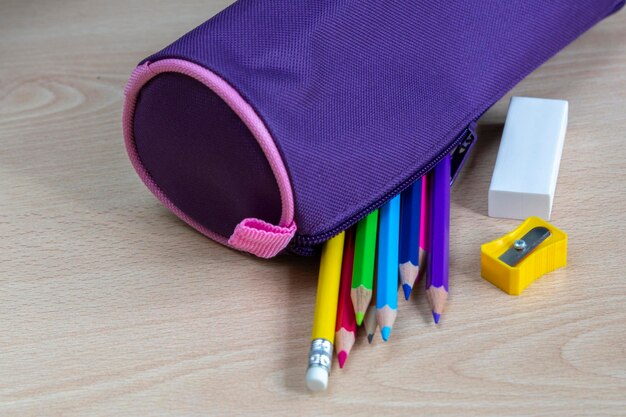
305 245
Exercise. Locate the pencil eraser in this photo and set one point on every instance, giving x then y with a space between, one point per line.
316 378
527 166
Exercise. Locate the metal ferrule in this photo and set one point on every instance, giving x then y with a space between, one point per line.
321 354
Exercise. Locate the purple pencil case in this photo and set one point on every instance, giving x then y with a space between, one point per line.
275 125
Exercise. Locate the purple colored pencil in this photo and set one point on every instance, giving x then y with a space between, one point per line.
437 279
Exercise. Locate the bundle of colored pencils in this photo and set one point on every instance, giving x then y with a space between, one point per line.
362 268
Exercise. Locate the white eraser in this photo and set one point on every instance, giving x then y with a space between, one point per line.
316 378
524 178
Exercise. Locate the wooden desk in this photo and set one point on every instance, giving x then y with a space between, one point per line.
111 306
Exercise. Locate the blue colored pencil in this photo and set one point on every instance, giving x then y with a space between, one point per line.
387 273
410 217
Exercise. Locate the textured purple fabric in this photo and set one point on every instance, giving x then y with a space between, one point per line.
362 96
198 152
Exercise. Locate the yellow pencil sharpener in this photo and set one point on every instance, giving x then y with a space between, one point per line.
514 261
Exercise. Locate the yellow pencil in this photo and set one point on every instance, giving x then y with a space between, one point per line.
323 337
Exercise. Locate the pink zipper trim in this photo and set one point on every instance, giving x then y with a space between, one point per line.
251 235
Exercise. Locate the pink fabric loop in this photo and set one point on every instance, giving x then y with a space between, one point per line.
261 238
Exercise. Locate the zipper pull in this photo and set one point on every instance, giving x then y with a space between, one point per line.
261 238
460 153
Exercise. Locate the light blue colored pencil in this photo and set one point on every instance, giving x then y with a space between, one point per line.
387 274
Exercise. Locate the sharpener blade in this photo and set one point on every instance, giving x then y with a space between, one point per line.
522 247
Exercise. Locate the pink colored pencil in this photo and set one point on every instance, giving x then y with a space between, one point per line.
345 327
424 226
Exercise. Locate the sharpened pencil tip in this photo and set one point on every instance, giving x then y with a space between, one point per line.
370 337
359 318
436 316
341 357
385 331
407 291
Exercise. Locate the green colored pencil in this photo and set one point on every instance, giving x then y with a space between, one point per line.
364 259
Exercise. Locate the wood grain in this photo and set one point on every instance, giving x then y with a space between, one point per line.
111 306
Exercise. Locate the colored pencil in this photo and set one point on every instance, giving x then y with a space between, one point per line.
363 271
323 335
410 217
425 225
387 279
437 280
369 322
345 328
